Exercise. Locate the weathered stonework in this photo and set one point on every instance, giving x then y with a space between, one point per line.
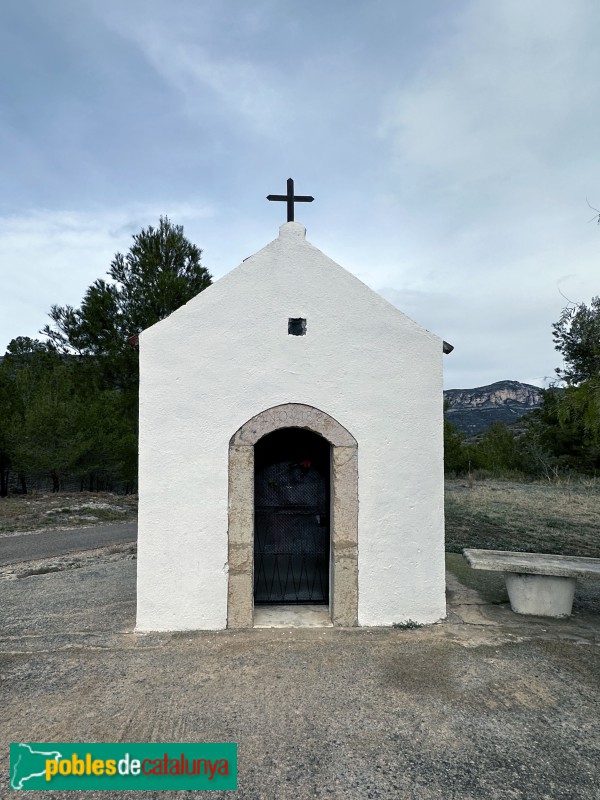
293 415
344 511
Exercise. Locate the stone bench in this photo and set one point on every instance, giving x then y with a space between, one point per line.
537 583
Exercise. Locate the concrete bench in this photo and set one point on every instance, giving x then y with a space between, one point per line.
537 583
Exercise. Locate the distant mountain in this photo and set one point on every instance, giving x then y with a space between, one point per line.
474 410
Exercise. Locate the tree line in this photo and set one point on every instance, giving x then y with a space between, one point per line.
563 436
70 402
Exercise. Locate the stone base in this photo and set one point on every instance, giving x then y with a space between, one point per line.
540 595
292 616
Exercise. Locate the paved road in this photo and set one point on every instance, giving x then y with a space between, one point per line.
34 546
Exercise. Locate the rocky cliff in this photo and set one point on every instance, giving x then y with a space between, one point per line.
474 410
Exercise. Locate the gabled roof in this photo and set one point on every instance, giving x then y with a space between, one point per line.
290 271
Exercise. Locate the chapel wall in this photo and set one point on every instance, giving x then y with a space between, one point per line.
206 371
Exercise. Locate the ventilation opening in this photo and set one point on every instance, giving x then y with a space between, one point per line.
296 326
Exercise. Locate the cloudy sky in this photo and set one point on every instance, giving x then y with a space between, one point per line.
451 149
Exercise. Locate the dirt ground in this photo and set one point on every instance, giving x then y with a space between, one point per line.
484 705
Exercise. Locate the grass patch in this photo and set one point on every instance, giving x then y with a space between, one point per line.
527 517
409 625
490 585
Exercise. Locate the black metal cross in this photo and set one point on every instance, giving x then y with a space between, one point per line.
290 198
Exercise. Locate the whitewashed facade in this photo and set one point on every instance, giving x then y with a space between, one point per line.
363 374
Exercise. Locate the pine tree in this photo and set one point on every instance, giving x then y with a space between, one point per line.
161 272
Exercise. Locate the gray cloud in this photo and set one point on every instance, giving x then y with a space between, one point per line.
450 149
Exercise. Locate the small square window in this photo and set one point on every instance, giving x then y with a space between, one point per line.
296 326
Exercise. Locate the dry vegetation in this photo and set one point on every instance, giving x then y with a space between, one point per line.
561 517
47 511
493 514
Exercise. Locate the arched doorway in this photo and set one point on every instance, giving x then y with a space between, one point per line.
291 517
343 505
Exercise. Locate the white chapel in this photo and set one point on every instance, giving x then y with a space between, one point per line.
291 451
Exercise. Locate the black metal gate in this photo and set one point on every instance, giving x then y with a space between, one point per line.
291 518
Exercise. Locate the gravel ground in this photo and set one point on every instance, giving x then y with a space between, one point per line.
485 705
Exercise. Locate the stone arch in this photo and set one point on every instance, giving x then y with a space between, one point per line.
344 511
